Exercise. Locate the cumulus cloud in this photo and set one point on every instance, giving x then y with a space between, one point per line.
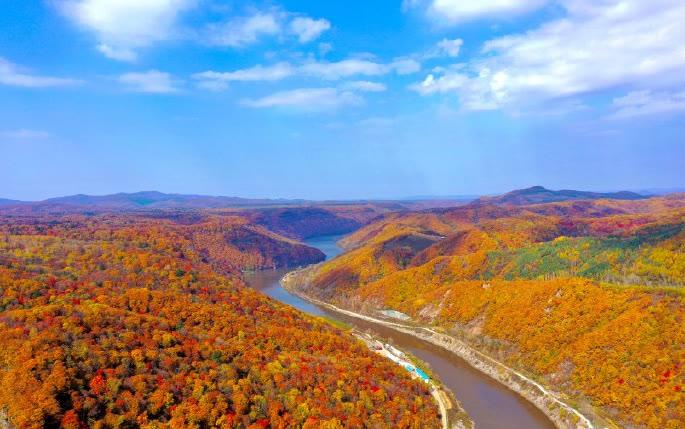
239 32
598 45
122 26
645 103
152 81
307 99
308 29
14 75
313 69
457 11
448 82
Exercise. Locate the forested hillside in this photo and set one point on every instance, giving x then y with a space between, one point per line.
587 295
142 321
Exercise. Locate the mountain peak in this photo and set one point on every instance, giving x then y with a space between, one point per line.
540 195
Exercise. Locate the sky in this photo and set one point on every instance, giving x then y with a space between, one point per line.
340 99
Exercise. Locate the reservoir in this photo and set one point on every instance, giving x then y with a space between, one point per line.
490 404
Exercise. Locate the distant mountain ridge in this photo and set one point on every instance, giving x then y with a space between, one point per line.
541 195
146 200
155 199
151 200
6 202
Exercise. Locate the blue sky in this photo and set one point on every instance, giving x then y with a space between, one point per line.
380 99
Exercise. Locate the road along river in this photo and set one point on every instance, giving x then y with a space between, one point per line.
490 404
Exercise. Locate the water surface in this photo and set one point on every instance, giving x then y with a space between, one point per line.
490 404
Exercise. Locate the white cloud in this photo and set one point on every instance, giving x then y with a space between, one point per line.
364 86
219 80
449 82
24 134
405 66
344 68
120 54
457 11
357 66
313 69
242 31
644 103
599 45
122 26
151 81
307 99
13 75
448 47
308 29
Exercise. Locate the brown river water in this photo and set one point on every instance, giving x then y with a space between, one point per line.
490 404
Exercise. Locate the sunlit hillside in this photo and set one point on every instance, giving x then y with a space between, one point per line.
587 295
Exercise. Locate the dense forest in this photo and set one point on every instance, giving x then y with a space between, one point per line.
142 320
588 296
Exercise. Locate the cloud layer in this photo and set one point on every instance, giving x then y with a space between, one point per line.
325 70
123 27
599 45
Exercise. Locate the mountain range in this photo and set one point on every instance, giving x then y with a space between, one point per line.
147 200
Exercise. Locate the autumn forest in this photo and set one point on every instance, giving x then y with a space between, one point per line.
128 320
118 316
584 295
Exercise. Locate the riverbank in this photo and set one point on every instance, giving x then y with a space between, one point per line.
552 404
452 414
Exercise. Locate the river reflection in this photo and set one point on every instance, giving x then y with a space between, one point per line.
490 404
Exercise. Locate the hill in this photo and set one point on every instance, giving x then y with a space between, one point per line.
541 195
588 296
123 320
6 202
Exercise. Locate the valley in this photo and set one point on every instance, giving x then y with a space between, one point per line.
499 313
583 297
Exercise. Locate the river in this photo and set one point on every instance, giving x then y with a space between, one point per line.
490 404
